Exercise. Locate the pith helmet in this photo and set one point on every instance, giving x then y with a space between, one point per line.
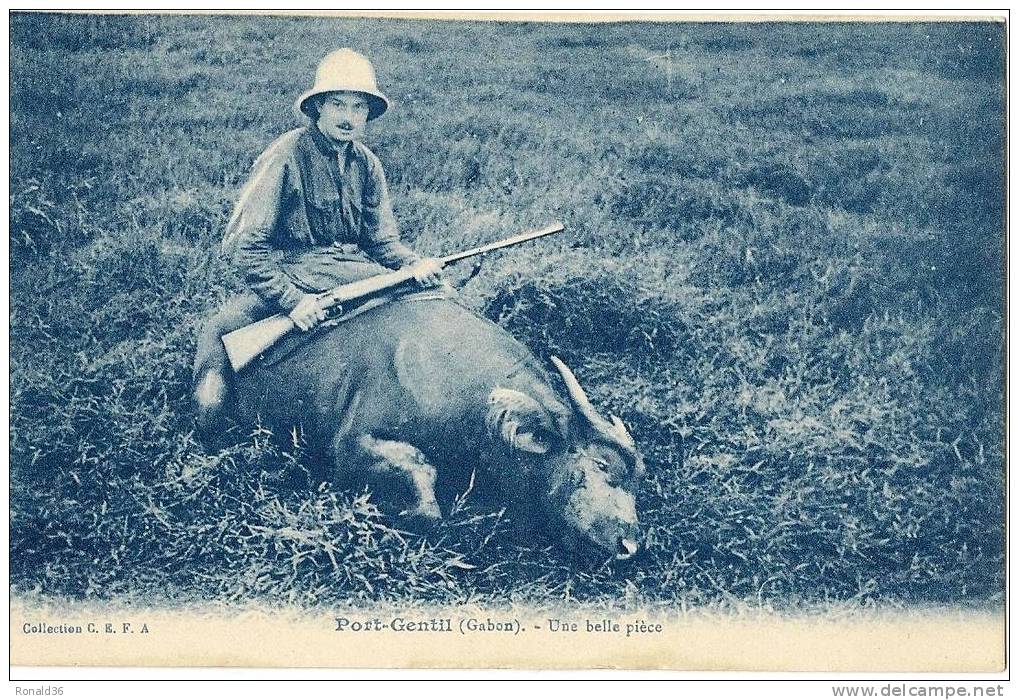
345 69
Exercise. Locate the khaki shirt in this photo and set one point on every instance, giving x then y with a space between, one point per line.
307 204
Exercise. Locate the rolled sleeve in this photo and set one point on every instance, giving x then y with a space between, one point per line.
248 238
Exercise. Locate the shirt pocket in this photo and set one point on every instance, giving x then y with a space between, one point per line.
325 216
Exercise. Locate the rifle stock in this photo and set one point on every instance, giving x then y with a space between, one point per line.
245 344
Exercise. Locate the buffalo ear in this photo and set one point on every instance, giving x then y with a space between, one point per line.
520 421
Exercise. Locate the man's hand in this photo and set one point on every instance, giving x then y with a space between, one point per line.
307 314
427 272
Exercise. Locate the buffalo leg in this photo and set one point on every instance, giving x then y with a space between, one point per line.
401 479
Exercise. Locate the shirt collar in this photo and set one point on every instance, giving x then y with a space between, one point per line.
327 146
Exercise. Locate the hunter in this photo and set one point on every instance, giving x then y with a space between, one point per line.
314 213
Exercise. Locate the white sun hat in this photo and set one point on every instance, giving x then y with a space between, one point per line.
347 70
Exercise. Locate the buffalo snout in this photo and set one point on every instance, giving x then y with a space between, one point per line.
604 517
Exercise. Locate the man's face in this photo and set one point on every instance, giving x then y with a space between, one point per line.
342 116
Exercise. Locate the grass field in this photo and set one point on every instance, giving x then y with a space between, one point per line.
783 268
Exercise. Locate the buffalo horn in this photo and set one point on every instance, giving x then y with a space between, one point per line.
615 430
624 434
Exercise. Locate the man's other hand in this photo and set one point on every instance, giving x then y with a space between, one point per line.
307 314
427 272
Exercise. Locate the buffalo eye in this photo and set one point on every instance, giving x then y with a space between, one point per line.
615 468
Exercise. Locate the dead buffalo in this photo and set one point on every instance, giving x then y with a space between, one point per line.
414 396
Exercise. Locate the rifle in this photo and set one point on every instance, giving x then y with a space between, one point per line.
245 344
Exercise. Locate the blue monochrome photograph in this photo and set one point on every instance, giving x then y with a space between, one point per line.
471 333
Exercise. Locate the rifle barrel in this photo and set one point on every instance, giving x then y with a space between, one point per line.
512 240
